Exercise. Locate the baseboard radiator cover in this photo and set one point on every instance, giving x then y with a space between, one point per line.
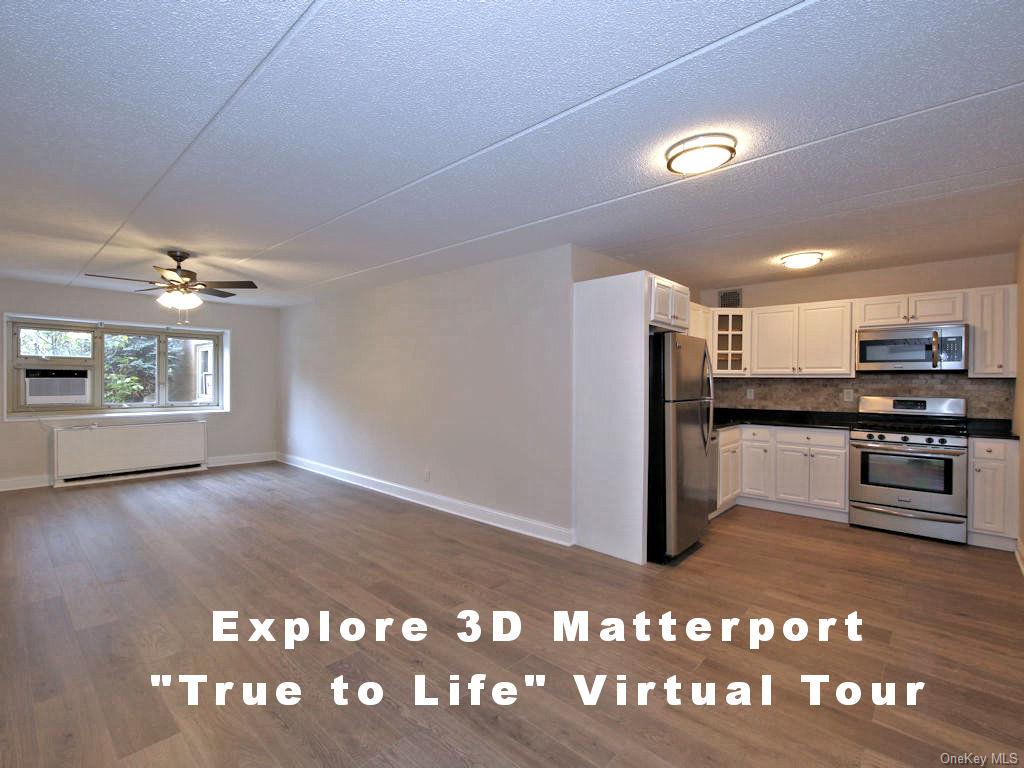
95 454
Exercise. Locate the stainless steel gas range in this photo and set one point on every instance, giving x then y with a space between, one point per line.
908 466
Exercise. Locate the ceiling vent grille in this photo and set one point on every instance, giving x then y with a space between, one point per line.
730 298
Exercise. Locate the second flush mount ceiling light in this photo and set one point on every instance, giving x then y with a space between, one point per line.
802 260
700 154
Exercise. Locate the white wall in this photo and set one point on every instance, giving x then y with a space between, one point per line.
997 269
466 374
250 428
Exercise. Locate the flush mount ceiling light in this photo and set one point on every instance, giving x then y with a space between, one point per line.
700 154
802 260
176 299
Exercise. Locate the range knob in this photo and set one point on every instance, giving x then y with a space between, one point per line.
942 441
905 439
881 437
929 439
870 436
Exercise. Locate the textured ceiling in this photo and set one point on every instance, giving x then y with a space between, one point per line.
307 145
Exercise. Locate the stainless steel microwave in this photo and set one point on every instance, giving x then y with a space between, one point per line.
912 348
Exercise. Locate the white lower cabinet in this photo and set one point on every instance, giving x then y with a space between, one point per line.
786 468
728 467
828 478
756 470
792 473
992 492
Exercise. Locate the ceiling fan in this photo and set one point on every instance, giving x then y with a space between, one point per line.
181 287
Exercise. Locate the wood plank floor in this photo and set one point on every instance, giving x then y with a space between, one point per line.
101 586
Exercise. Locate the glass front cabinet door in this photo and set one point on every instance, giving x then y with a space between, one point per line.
729 342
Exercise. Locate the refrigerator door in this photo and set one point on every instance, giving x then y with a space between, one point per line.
690 483
687 367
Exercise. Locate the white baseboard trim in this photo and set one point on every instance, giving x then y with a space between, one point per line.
991 541
1019 554
19 483
495 517
834 515
242 458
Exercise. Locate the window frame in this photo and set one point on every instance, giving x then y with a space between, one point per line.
14 380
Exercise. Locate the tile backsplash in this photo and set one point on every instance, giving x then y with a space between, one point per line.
986 398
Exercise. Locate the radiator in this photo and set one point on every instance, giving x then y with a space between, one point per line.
95 454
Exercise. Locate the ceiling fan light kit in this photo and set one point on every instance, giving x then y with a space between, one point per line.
181 287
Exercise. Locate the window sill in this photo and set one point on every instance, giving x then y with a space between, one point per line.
104 415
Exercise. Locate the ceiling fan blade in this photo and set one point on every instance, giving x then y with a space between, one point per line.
229 284
154 288
111 277
170 275
215 292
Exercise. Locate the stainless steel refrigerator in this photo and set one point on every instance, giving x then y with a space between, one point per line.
681 456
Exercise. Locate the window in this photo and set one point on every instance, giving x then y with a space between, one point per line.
54 342
129 370
190 370
64 367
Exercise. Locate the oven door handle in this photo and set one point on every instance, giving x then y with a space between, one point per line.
896 450
951 519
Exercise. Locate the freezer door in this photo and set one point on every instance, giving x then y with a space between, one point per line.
690 482
687 367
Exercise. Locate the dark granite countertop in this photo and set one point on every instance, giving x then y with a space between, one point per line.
730 417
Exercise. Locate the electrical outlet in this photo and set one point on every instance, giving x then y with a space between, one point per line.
848 395
750 393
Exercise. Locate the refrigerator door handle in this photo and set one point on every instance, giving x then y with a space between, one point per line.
707 373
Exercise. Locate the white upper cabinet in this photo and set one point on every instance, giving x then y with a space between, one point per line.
938 307
825 339
729 341
700 322
992 313
669 303
880 310
774 340
942 307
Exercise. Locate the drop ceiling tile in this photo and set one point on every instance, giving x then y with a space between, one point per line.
364 100
98 99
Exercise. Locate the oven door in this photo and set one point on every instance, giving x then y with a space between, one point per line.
909 477
909 348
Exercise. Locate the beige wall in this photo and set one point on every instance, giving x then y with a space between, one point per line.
998 269
465 374
252 425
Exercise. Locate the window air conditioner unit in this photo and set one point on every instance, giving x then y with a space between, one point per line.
57 386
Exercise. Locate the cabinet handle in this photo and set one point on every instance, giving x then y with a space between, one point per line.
905 317
999 365
913 317
977 469
988 450
800 368
766 451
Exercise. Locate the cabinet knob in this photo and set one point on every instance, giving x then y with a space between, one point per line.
766 451
999 365
913 317
808 437
905 317
988 450
977 469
